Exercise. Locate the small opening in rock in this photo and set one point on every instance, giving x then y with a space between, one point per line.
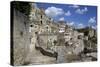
31 25
21 33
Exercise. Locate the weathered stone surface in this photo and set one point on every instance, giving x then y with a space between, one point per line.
38 57
79 46
20 38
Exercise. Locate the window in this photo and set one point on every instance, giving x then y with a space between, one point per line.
66 34
79 37
36 32
41 21
41 16
47 27
31 25
21 33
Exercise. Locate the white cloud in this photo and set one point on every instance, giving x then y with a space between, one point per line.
70 23
82 11
68 13
74 6
85 9
80 25
61 19
92 20
53 11
94 27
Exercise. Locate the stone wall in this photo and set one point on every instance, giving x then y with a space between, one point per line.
48 39
20 38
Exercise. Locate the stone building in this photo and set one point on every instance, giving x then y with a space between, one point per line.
62 26
39 19
41 24
91 32
74 39
54 27
48 39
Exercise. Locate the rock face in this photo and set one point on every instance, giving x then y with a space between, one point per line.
20 38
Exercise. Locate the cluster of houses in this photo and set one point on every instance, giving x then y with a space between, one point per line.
55 39
50 32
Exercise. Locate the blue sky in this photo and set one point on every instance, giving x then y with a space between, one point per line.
75 15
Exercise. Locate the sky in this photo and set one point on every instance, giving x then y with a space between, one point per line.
78 16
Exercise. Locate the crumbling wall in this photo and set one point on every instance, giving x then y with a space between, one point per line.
48 38
20 38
